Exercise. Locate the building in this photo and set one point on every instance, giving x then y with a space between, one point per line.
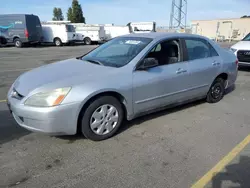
222 29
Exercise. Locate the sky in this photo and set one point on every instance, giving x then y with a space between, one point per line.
121 12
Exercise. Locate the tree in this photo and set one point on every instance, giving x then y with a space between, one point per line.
69 14
245 16
58 15
75 14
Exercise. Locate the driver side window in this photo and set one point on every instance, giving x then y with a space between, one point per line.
167 52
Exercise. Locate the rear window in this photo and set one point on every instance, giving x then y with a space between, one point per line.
33 21
246 38
70 28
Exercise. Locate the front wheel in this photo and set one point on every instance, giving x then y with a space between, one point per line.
217 91
102 118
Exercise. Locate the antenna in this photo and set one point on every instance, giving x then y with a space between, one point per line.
178 16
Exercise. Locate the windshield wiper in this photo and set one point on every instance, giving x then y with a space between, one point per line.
94 61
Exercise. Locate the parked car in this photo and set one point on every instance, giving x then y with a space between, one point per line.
112 31
142 27
59 33
124 78
242 51
91 33
20 29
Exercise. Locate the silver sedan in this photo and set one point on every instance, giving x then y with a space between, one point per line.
127 77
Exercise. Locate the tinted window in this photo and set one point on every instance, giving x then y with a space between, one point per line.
119 51
246 38
198 49
70 28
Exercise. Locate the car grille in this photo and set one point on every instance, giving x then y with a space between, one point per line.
243 56
16 95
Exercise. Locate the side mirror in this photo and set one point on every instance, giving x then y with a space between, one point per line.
148 63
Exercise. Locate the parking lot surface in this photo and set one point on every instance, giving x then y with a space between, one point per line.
172 148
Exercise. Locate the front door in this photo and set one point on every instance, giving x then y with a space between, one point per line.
162 85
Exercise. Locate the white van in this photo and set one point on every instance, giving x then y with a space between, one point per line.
58 33
112 31
142 27
90 33
242 51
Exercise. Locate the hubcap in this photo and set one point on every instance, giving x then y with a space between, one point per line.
57 42
104 119
17 43
216 91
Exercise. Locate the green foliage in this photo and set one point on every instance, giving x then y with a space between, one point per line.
57 14
75 14
245 16
70 14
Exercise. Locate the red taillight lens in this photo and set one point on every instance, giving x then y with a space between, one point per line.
26 33
237 62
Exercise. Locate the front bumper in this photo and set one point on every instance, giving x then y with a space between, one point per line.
59 120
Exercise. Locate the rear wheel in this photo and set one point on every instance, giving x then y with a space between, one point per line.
58 42
102 118
87 41
217 91
18 43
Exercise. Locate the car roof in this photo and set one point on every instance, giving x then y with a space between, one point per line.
161 35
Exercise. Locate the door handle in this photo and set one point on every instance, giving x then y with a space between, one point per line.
180 71
215 63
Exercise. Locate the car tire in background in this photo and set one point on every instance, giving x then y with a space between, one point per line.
102 118
57 42
87 41
216 91
18 43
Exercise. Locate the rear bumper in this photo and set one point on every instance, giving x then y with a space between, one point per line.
244 64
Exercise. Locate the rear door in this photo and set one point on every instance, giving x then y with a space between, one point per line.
34 28
204 65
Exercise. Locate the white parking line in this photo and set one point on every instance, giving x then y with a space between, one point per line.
2 101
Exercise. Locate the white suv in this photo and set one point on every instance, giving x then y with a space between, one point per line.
242 51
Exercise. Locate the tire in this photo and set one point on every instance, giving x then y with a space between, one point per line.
87 41
113 110
216 91
58 42
18 43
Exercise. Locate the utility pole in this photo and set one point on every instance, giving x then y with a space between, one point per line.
178 16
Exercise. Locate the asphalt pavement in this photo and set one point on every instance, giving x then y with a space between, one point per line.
172 148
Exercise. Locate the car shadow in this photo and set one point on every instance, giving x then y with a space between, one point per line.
238 173
9 130
244 68
142 119
128 124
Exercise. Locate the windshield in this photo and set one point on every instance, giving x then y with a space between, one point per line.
118 52
246 38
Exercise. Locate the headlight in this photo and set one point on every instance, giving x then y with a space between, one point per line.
48 99
233 50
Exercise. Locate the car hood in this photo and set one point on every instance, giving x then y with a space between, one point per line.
242 45
71 71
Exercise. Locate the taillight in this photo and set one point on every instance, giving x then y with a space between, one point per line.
26 33
237 62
